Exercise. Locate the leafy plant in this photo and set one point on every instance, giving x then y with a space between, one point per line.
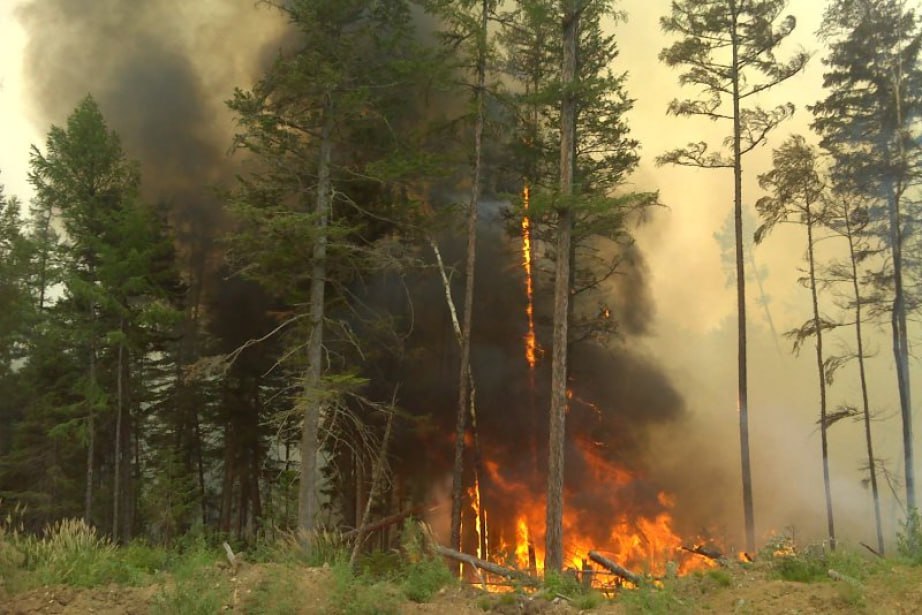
909 539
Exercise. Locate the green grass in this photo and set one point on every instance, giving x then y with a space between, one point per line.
276 594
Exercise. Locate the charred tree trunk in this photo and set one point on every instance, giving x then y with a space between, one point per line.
821 372
742 383
553 560
308 496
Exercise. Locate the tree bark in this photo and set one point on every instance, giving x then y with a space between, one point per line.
465 377
308 500
553 559
866 406
119 409
91 422
742 383
824 429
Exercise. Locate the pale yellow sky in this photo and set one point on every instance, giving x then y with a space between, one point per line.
694 334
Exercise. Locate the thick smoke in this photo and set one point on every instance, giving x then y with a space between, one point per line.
618 393
160 71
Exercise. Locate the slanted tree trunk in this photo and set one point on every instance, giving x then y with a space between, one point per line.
742 383
866 406
308 500
821 372
553 558
464 377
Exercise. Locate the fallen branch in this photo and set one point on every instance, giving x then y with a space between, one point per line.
383 522
711 554
490 567
377 480
872 549
617 569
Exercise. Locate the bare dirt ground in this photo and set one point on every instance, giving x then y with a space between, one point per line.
893 589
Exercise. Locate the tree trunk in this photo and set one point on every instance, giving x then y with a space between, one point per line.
91 423
866 406
377 484
308 497
553 559
900 350
743 386
824 430
119 409
464 377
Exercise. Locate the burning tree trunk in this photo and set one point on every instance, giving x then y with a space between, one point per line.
553 558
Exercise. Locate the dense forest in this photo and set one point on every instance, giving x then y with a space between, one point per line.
417 293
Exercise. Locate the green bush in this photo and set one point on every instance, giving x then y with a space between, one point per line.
423 579
806 568
909 539
360 595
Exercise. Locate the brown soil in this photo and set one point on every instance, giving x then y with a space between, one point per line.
897 590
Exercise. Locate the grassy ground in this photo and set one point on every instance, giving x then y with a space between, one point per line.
72 570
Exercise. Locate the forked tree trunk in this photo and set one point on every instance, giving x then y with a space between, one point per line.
742 383
553 558
464 377
821 372
308 499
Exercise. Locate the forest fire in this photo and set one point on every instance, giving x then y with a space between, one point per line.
644 542
608 509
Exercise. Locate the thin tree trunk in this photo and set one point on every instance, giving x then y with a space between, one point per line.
895 187
119 409
308 500
553 558
464 377
824 431
377 482
91 423
743 385
866 406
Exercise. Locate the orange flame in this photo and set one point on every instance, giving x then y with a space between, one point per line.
531 342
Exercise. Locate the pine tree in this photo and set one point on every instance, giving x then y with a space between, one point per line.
796 195
869 122
727 50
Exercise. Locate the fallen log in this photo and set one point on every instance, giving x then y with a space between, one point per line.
712 554
479 564
383 523
615 568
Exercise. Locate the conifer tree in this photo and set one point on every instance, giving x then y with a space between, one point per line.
869 122
726 49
